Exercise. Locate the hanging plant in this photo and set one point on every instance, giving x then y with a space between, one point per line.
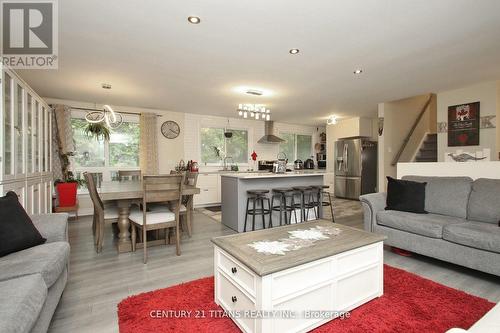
99 131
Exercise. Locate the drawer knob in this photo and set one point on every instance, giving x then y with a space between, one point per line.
234 270
234 299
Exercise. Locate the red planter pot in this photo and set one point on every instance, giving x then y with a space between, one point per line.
66 193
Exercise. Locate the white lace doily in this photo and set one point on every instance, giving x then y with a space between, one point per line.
297 240
270 247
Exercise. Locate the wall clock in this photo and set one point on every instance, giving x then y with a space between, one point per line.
170 129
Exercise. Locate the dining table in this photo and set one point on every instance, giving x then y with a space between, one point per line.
129 192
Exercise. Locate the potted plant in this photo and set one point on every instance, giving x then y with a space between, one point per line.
97 130
66 188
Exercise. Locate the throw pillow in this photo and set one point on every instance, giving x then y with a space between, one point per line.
17 231
405 196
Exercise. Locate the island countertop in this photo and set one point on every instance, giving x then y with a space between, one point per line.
253 175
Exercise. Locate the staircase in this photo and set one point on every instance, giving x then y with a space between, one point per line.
428 149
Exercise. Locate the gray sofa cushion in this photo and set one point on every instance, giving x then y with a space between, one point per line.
53 227
446 195
47 259
480 235
484 202
430 225
21 301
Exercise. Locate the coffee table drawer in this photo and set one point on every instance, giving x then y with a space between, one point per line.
241 275
233 299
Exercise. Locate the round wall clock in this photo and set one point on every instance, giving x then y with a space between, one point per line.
170 129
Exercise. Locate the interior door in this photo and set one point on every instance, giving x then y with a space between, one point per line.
353 158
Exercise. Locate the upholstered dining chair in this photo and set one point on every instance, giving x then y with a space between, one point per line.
102 214
191 178
161 189
129 174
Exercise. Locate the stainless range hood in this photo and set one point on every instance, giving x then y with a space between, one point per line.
269 136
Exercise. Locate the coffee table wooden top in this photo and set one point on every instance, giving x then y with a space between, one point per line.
264 264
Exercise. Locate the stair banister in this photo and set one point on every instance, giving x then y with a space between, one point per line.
410 133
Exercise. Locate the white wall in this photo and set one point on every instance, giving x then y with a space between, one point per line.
449 169
255 128
486 93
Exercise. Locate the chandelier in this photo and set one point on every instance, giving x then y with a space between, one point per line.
257 111
112 119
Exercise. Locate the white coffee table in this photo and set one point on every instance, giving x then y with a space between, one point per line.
302 289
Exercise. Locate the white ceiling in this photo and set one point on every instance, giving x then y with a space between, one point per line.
154 58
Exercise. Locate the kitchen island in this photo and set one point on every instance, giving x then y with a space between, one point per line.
234 196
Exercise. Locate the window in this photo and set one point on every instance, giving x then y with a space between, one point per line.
296 146
121 152
214 146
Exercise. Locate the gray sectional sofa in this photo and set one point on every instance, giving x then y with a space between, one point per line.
32 281
461 226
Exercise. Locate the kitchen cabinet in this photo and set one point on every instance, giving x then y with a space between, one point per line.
209 184
25 143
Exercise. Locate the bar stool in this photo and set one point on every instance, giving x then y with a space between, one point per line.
306 194
282 194
257 197
317 202
327 203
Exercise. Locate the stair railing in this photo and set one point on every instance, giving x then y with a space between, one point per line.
396 158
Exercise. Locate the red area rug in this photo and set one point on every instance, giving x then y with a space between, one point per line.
409 304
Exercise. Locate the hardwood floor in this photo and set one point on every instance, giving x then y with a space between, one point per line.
98 282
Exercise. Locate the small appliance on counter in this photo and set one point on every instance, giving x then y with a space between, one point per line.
309 164
192 166
298 165
322 164
266 165
280 165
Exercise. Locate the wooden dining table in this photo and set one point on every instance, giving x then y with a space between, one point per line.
125 194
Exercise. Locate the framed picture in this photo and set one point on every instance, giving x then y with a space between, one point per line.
463 125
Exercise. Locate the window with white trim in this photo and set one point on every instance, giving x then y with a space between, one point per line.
105 158
296 146
215 146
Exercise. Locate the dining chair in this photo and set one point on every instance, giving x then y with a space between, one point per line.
187 200
102 213
161 189
190 178
129 174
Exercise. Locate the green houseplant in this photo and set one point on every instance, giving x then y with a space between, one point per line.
66 187
99 131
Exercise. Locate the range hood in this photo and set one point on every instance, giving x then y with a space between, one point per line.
269 137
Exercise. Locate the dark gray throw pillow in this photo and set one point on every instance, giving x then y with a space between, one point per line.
405 196
17 231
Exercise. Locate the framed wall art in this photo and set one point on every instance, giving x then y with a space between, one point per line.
463 125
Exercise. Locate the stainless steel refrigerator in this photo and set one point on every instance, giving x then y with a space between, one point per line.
355 168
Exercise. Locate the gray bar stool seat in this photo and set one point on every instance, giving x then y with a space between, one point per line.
257 197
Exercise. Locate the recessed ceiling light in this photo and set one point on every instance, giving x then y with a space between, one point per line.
294 51
194 19
106 86
358 71
254 92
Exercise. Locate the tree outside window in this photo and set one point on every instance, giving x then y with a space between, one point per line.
296 146
215 146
